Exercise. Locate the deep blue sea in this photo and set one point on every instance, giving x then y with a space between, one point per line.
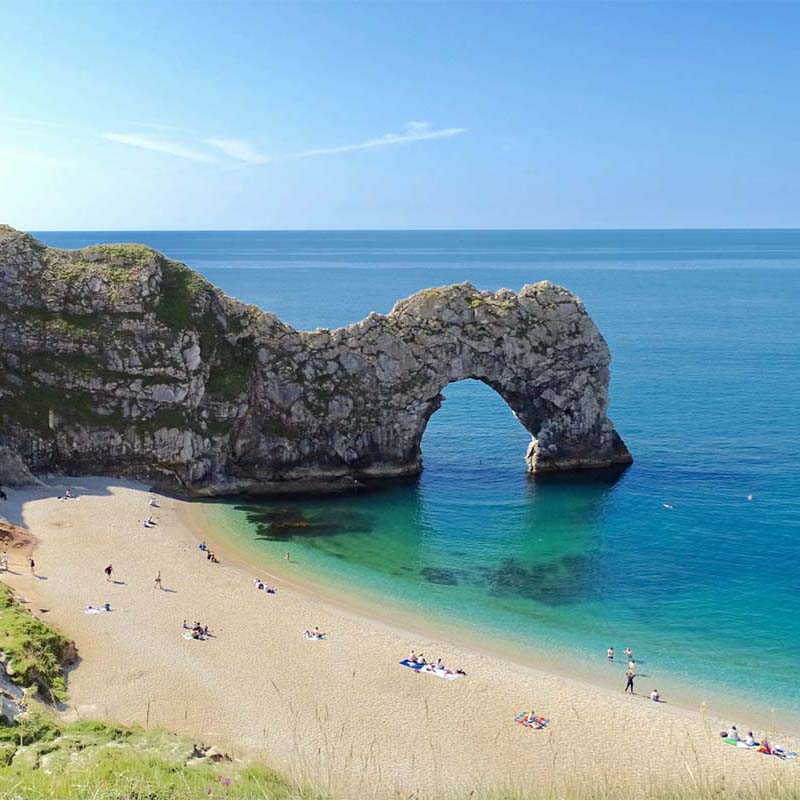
691 557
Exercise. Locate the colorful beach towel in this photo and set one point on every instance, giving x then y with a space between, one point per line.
430 670
531 721
777 751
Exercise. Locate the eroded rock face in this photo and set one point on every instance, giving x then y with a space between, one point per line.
115 359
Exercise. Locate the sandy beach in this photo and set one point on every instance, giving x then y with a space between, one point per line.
341 713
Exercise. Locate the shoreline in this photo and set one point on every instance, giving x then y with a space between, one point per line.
341 713
408 623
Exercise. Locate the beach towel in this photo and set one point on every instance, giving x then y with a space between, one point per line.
531 721
430 670
92 611
777 751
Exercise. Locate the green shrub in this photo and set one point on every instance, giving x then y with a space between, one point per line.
36 651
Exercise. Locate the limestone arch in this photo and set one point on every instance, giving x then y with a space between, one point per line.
165 378
537 349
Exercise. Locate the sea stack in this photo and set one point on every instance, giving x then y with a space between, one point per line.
117 360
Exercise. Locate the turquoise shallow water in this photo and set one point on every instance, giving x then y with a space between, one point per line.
703 327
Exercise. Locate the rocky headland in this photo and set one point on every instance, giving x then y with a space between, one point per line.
117 360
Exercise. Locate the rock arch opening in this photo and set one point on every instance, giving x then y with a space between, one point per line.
472 432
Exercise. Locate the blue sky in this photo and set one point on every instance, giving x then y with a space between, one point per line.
399 115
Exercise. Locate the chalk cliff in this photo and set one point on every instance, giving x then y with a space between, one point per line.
115 359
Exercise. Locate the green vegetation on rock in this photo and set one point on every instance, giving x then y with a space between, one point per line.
235 363
31 405
180 288
116 263
120 253
35 652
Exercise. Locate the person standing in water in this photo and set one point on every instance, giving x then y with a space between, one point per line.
630 676
157 584
611 654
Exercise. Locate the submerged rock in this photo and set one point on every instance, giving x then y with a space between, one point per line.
559 581
115 359
439 575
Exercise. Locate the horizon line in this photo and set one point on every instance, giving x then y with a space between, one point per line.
392 230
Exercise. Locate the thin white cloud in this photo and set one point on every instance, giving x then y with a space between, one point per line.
414 131
238 149
241 152
159 145
10 155
28 121
154 126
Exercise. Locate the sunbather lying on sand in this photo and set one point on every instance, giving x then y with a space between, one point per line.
316 634
96 610
531 721
433 667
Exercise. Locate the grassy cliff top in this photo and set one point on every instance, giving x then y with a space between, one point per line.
40 758
35 653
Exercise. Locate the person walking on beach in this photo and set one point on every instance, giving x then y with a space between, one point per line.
157 584
32 565
630 675
4 561
108 571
